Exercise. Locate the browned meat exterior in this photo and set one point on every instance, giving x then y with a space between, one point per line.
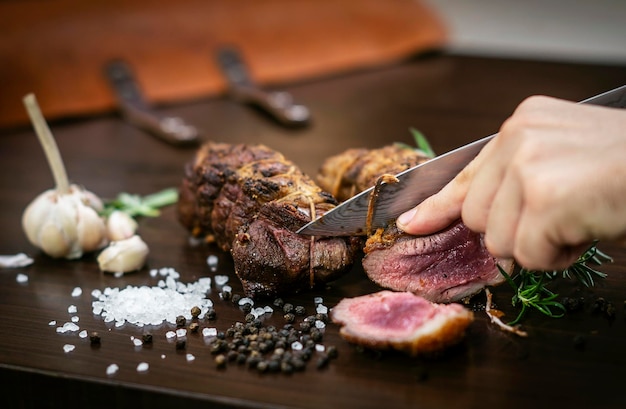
447 266
355 170
250 200
443 267
401 321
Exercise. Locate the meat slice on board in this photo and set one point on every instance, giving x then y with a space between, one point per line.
401 321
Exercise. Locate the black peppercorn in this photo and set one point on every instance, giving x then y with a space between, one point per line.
180 321
220 361
332 352
210 314
195 311
94 338
193 327
300 310
288 308
279 303
146 338
289 317
235 298
226 295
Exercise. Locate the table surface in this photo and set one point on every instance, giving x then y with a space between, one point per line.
452 100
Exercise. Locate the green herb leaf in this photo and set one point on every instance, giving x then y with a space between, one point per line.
421 144
531 290
135 205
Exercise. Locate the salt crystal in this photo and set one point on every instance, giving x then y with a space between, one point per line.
246 300
227 288
72 309
143 367
321 309
75 318
257 312
118 274
319 324
119 323
318 300
162 356
181 332
96 293
52 323
68 327
268 309
15 260
154 272
212 261
137 342
296 346
320 348
170 334
209 332
190 357
21 278
77 292
174 274
112 369
68 348
221 279
83 334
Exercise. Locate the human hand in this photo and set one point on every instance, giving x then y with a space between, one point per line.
552 181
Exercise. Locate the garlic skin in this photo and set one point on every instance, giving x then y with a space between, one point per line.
124 256
120 226
65 225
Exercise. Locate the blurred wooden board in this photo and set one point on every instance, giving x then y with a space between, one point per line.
56 48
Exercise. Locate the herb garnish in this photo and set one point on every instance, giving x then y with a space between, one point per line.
531 290
136 205
420 142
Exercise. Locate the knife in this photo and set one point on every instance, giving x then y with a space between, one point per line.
415 185
136 110
278 104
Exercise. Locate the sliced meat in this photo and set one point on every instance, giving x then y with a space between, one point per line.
443 267
401 321
249 200
447 266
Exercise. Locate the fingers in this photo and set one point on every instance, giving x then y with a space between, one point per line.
439 210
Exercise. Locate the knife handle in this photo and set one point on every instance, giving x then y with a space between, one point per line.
136 111
279 104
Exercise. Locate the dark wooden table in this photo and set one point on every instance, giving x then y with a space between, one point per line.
452 100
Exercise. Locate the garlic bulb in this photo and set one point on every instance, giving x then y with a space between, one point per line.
120 225
64 221
124 256
65 224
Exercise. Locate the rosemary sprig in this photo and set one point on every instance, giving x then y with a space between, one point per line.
136 205
420 142
531 290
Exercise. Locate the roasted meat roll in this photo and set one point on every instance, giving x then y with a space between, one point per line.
250 200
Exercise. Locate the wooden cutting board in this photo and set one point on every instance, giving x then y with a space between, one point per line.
56 48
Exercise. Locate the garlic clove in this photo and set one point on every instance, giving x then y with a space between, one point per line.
53 241
120 226
124 256
90 229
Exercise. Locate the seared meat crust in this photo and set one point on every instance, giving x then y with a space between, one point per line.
250 200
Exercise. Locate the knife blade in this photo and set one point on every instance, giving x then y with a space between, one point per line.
415 185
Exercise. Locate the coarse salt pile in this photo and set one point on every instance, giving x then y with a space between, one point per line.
153 305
